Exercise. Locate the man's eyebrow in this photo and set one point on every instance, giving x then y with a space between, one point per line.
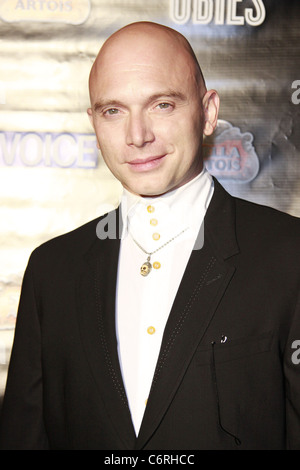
168 94
103 104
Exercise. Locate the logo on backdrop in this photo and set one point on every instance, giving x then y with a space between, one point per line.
230 154
55 11
219 12
33 149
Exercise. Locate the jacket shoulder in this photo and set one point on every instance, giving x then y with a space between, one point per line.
269 232
266 218
249 222
68 246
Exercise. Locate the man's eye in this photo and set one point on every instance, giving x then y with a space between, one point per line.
111 111
164 106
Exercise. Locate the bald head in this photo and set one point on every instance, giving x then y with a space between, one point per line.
149 42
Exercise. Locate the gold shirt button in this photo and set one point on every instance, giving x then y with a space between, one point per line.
150 209
156 265
151 330
153 222
156 236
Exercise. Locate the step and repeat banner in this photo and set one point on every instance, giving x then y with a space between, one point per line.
52 178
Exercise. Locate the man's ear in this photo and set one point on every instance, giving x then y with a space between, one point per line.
90 115
211 105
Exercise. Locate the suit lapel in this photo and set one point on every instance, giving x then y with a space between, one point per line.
202 287
96 295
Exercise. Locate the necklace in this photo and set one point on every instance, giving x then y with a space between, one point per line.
147 266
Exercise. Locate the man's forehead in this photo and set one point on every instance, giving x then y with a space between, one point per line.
142 82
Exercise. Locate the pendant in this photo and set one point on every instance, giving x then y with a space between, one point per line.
146 267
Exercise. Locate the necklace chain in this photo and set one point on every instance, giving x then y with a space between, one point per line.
147 266
161 247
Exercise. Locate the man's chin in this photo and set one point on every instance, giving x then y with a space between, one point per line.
147 191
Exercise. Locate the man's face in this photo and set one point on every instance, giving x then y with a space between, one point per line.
148 118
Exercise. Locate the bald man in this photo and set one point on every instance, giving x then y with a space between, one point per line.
182 333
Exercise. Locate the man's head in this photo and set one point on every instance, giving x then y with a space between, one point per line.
150 108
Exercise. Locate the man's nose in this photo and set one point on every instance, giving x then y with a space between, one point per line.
139 130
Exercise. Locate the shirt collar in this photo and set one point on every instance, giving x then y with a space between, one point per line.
185 205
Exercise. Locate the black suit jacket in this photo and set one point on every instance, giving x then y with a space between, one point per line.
226 376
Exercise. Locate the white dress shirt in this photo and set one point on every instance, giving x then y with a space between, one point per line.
143 303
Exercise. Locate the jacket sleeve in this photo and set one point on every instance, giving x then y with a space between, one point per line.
22 426
292 382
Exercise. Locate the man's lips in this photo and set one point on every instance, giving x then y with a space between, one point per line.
144 164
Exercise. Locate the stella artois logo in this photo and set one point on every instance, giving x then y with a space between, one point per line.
230 155
53 11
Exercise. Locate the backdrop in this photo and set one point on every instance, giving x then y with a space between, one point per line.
51 176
